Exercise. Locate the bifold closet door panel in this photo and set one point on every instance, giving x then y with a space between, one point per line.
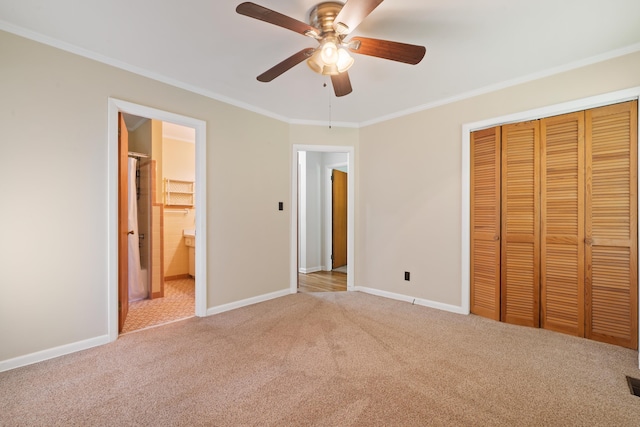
562 225
520 254
485 223
611 224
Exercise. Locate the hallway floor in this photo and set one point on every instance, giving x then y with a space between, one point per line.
178 303
322 281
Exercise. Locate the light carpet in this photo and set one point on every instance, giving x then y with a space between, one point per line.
330 359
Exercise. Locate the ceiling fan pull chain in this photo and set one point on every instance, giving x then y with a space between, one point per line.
329 107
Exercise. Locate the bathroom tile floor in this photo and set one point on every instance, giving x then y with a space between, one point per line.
178 303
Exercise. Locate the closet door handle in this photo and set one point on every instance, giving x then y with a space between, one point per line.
130 232
496 238
588 241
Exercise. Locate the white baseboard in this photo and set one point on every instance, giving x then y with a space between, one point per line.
309 270
407 298
245 302
50 353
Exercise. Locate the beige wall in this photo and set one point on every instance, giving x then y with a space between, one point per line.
323 135
54 176
54 183
409 178
178 159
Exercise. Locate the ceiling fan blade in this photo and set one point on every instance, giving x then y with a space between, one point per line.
253 10
395 51
285 65
353 13
341 84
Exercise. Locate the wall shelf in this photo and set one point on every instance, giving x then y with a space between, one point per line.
179 193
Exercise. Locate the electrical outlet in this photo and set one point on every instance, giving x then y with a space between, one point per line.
407 276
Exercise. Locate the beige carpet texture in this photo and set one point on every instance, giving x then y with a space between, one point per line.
330 359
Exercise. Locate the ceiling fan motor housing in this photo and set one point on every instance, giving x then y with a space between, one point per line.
322 16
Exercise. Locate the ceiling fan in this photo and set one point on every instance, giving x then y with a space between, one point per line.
330 23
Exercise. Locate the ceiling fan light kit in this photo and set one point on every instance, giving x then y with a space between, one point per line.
330 60
330 23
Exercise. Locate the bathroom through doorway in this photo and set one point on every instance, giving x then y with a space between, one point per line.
160 278
161 218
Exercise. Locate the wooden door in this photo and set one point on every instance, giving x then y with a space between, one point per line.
562 227
339 218
520 257
123 224
485 223
611 224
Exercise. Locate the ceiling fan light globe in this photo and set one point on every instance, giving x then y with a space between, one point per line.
315 67
345 61
329 53
330 70
315 62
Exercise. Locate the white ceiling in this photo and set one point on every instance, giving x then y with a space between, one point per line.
205 46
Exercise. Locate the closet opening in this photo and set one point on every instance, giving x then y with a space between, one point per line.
553 223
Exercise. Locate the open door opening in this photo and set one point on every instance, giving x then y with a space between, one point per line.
161 222
322 216
160 196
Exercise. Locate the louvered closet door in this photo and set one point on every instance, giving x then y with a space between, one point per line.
562 228
611 225
485 223
520 259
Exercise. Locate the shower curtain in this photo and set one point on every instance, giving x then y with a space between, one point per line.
137 289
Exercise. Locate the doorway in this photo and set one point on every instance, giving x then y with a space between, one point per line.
118 301
161 223
315 246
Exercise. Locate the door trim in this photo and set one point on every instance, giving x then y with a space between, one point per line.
293 263
115 106
535 114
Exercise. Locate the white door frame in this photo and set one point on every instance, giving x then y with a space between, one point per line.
350 151
116 106
553 110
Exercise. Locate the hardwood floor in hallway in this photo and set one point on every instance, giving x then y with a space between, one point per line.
322 281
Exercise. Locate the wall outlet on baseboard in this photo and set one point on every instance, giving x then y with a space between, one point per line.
407 276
